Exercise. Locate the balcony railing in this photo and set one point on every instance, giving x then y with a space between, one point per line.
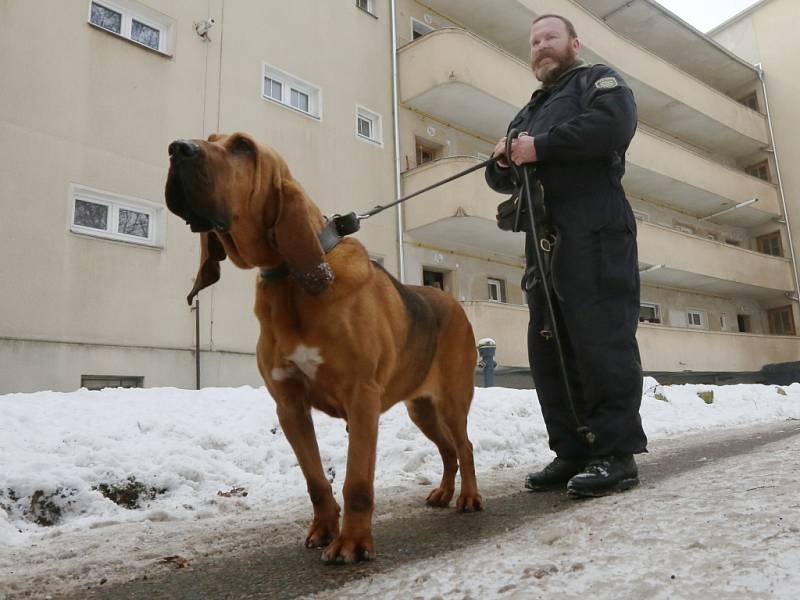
663 348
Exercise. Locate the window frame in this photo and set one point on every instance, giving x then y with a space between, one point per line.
115 202
290 83
130 11
781 310
500 285
370 8
762 241
762 164
657 307
698 312
376 124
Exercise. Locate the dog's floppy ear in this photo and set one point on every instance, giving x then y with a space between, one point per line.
297 241
211 253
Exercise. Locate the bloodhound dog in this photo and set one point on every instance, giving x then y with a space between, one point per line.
337 332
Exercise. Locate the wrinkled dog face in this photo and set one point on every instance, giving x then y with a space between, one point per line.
242 199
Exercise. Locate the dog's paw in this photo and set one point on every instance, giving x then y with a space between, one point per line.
349 550
322 532
439 497
469 502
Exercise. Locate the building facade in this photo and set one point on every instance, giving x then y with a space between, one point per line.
95 270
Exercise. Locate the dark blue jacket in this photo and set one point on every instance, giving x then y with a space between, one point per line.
582 126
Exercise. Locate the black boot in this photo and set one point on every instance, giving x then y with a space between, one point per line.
554 475
605 475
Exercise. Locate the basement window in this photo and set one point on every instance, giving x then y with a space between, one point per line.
99 382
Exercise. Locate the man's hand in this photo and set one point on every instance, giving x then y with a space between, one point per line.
523 150
500 152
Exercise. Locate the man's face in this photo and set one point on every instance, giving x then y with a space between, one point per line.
553 51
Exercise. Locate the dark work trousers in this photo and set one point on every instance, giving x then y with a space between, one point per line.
596 286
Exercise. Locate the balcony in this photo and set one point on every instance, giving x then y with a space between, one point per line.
670 349
461 213
676 349
671 175
668 98
507 324
456 77
688 262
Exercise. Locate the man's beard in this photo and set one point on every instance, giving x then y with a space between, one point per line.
559 63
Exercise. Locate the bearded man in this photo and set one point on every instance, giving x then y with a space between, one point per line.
577 128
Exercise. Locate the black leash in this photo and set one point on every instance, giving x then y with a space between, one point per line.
351 222
534 198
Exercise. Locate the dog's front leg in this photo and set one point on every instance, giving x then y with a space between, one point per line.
295 418
355 542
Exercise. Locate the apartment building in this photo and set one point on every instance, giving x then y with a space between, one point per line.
95 270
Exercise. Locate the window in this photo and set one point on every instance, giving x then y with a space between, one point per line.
770 244
293 92
109 216
760 170
649 313
418 29
497 290
369 125
433 279
133 21
273 89
367 6
750 101
695 318
781 321
743 322
98 382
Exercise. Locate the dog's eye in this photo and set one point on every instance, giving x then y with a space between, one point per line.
242 145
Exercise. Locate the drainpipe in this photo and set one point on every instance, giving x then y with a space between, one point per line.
760 70
197 342
401 263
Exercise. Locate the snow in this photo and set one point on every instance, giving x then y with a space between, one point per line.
668 540
188 446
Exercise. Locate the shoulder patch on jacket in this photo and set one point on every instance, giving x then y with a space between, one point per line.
606 83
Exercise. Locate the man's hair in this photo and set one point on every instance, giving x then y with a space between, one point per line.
570 27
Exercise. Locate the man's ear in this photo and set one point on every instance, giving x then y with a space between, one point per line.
298 243
211 253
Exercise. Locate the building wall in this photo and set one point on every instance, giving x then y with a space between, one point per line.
83 106
767 35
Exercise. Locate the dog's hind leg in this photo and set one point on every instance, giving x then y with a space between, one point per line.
453 412
424 415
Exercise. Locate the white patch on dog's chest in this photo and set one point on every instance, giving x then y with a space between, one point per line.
306 359
280 373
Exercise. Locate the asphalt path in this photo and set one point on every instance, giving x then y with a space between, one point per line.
288 570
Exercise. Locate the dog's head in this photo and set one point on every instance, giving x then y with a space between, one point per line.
240 196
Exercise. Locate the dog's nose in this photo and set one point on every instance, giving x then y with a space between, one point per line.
183 148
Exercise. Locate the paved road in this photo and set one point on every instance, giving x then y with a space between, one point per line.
289 571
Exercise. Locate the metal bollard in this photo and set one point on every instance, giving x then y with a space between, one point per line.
486 349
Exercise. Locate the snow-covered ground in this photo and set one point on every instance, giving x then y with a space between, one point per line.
727 530
63 455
